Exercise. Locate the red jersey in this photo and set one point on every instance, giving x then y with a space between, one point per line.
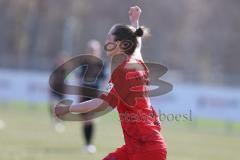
128 92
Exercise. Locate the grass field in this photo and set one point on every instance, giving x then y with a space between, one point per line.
28 136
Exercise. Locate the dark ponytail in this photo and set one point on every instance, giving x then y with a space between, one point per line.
139 32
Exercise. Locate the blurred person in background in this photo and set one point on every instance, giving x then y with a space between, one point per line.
94 49
55 97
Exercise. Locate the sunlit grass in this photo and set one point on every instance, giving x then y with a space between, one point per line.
28 135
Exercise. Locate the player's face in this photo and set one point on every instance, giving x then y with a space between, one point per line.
111 46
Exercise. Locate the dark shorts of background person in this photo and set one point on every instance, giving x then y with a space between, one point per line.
88 126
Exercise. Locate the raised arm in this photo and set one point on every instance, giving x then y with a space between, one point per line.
134 15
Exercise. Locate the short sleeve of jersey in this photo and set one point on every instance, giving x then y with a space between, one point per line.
117 88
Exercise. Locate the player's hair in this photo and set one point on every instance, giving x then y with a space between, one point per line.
128 35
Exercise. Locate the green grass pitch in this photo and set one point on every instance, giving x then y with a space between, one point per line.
28 135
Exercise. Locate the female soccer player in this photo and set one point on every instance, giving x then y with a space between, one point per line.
128 92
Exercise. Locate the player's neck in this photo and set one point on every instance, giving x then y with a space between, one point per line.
135 57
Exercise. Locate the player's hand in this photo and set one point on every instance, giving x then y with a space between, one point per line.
134 14
61 110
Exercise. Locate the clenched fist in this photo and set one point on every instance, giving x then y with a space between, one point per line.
61 110
134 14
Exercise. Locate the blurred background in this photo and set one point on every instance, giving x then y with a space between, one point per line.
197 40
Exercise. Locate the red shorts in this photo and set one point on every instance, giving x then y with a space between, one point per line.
123 154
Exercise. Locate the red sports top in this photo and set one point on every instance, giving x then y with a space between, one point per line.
128 91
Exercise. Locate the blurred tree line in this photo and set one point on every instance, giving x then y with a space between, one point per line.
199 39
